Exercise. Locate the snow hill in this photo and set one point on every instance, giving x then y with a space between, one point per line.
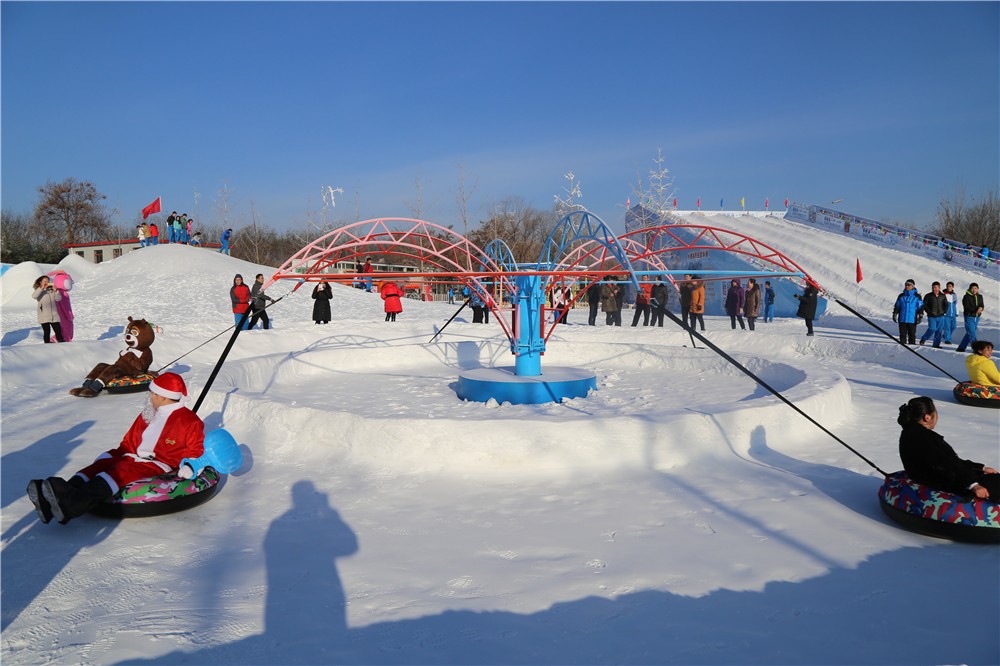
678 514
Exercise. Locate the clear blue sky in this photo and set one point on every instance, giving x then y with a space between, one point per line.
887 106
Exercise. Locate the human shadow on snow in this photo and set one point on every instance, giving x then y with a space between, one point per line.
880 611
11 338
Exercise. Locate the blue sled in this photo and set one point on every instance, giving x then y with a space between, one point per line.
222 453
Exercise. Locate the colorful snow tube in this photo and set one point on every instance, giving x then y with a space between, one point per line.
937 513
130 383
160 495
977 395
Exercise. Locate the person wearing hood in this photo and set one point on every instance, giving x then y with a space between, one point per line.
907 312
239 295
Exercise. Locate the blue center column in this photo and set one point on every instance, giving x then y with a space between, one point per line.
527 343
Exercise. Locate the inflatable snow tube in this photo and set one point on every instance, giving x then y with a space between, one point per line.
160 495
977 395
130 383
937 513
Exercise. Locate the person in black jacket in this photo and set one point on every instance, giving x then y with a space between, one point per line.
658 301
935 307
972 306
594 301
321 308
685 287
807 306
258 301
929 460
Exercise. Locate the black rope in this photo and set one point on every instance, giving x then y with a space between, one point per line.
891 336
773 391
222 359
450 320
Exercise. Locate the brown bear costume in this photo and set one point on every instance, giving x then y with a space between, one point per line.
135 359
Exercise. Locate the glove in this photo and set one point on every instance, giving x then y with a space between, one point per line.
895 318
920 317
185 472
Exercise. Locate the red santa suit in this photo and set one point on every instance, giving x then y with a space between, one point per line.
151 449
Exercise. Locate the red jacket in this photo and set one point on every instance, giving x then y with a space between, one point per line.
391 294
240 296
183 436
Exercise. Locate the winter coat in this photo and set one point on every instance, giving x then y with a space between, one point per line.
154 231
972 304
909 305
751 306
769 296
685 289
982 370
558 298
808 302
642 296
952 304
240 296
735 301
594 293
182 436
391 295
698 297
930 460
258 297
321 308
660 294
609 298
935 306
48 311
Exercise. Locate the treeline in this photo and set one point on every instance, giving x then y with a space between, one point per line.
972 221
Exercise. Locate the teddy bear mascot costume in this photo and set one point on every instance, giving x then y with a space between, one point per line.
164 433
63 283
135 359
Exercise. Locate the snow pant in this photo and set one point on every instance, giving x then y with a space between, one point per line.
613 318
155 240
809 326
907 333
699 318
246 324
48 328
592 320
390 316
658 313
750 321
769 312
935 327
121 471
142 242
261 316
734 318
971 324
225 248
477 314
950 324
486 315
641 310
560 315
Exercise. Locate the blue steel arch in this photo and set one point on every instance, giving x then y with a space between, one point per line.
582 225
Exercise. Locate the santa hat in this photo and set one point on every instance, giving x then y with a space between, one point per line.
169 385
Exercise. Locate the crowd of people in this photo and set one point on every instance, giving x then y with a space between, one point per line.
941 307
177 229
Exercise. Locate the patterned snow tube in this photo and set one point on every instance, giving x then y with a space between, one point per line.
160 495
977 395
130 383
937 513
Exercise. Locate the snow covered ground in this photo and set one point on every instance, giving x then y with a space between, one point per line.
679 514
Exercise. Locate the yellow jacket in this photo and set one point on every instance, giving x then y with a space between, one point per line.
982 370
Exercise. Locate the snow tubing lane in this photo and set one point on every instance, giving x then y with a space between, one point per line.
937 513
977 395
130 383
160 495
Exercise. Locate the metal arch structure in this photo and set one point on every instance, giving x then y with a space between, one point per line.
446 253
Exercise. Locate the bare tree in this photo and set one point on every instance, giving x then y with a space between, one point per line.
653 196
224 204
573 192
71 210
524 229
462 199
974 222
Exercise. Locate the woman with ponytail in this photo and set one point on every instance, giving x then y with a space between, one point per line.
929 460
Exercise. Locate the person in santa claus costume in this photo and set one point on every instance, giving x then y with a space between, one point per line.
162 435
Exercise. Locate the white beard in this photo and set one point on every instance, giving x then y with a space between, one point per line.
148 411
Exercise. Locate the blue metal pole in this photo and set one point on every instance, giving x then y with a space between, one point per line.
529 345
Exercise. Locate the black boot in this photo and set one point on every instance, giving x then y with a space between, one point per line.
42 507
68 502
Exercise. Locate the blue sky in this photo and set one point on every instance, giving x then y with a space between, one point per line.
887 106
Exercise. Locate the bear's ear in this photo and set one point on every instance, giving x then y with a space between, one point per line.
130 320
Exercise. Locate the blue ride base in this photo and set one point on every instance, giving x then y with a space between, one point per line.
504 385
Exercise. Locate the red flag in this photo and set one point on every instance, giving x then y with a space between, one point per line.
628 203
675 202
766 202
860 277
151 208
699 203
786 202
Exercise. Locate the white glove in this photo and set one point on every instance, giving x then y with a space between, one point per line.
185 472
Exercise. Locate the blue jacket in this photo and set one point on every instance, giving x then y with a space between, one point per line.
908 305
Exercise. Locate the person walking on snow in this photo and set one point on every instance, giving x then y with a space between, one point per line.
224 240
951 318
642 302
163 434
258 299
972 306
936 308
239 295
392 296
768 302
751 302
808 302
658 296
907 312
735 300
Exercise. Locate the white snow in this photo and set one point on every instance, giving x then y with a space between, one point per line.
679 514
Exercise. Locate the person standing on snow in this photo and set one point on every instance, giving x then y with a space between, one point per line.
808 302
907 312
594 301
951 317
768 302
392 296
697 302
239 295
735 301
258 300
936 308
224 240
658 296
642 302
972 306
321 308
48 310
